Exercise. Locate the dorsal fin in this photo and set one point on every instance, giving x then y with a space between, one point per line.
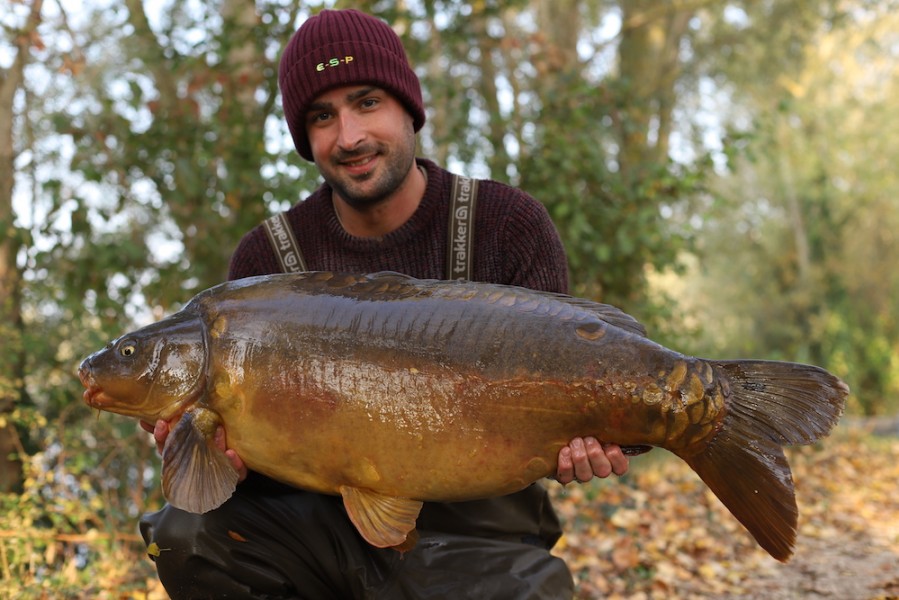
607 313
366 283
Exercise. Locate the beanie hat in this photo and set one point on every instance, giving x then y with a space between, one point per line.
343 47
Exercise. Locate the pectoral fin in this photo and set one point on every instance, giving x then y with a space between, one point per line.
196 475
384 521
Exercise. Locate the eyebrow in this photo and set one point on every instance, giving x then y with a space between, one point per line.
351 97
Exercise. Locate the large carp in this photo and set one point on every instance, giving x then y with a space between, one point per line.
390 391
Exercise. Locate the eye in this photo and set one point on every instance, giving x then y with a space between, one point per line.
128 349
317 118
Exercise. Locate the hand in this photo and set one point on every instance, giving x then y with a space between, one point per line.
160 433
583 458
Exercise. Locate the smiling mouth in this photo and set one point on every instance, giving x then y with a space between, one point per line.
359 162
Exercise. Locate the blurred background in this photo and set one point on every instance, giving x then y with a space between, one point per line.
725 171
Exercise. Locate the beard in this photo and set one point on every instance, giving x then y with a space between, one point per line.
367 190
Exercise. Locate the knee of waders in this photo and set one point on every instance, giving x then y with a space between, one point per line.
172 535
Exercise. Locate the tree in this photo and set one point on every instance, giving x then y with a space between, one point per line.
600 155
180 142
23 36
139 140
810 275
158 141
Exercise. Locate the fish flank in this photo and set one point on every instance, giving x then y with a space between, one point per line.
459 391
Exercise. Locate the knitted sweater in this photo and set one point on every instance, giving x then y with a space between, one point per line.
515 243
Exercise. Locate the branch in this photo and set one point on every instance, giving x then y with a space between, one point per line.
165 79
71 538
23 40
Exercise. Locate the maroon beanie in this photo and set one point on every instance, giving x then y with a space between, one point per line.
343 47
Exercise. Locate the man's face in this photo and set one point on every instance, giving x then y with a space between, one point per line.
363 142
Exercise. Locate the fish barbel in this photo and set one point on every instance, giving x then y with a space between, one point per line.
391 391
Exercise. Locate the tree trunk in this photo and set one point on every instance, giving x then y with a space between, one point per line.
649 61
12 355
559 26
499 161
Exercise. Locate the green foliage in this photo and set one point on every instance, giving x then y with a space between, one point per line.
616 229
147 149
178 149
798 258
63 537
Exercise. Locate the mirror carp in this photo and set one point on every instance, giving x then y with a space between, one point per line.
390 391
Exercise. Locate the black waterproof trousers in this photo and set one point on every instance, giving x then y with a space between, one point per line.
274 541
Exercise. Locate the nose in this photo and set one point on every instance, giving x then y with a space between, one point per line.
352 133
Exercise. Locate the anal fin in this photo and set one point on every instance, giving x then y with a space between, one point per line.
196 475
384 521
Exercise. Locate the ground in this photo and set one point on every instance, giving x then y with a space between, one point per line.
659 533
826 568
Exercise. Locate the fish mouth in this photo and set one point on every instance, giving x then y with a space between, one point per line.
92 391
93 394
93 397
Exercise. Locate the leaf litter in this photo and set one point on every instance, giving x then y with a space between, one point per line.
658 532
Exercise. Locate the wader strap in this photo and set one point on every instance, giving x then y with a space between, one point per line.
284 243
460 256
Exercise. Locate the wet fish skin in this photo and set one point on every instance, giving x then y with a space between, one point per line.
391 391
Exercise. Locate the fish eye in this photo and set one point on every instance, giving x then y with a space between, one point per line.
128 349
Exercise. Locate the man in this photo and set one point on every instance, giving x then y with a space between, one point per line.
353 106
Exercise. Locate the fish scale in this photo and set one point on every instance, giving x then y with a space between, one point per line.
391 391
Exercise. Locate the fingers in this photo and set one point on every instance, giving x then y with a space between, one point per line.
580 459
565 468
585 458
236 461
220 438
616 457
238 465
160 431
589 459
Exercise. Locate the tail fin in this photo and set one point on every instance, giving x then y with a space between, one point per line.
770 405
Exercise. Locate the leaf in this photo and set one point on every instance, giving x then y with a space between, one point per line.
236 536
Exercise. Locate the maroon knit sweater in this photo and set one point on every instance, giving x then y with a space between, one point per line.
515 243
